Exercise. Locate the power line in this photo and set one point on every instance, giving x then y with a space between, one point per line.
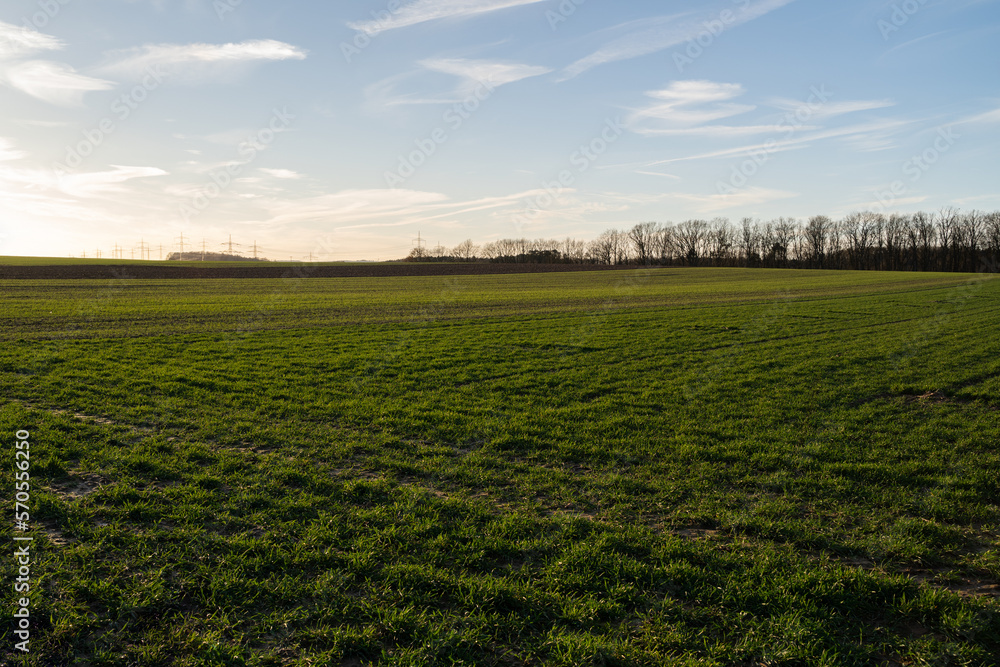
230 244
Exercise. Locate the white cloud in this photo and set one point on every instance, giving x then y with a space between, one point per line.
663 32
697 91
490 72
751 196
351 206
897 203
100 182
52 82
478 77
287 174
684 107
988 117
794 141
198 62
16 41
718 131
8 152
831 109
429 10
658 173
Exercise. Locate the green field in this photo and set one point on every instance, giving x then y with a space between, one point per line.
654 467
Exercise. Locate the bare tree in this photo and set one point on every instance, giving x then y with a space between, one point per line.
750 242
642 238
785 231
691 237
720 241
945 241
992 225
466 250
895 239
602 249
574 250
817 234
974 229
947 222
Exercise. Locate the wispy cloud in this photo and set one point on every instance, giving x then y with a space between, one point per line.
830 109
987 117
683 108
103 182
18 41
73 198
664 32
474 75
198 62
494 73
715 131
422 11
797 141
52 82
285 174
8 152
746 197
352 207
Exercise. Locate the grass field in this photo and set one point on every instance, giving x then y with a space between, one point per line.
654 467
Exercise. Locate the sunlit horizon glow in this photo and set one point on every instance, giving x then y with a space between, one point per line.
341 131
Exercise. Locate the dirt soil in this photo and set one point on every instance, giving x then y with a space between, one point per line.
166 271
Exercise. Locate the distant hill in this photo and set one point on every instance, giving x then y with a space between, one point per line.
210 257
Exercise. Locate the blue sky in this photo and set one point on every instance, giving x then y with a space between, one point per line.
344 129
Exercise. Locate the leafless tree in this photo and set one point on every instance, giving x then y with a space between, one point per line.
691 236
785 230
750 242
574 250
642 238
466 250
947 223
720 241
817 234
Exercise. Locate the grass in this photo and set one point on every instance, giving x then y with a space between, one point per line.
662 467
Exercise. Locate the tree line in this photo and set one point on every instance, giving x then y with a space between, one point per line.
947 240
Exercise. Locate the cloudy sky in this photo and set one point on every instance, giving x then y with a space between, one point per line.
344 129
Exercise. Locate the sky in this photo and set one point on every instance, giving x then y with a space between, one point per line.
341 130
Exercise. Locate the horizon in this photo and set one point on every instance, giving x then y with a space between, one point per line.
347 131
